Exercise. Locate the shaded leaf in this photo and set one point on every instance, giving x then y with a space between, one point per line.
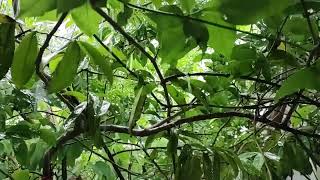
137 107
84 14
7 44
23 65
67 69
98 59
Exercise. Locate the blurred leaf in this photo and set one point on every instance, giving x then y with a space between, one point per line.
84 14
67 69
32 8
23 65
48 136
137 107
7 44
98 59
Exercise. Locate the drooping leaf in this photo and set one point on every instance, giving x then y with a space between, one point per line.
98 59
188 5
48 136
84 14
220 39
137 107
32 8
237 12
67 69
304 78
170 29
23 65
104 170
20 153
64 6
7 45
297 27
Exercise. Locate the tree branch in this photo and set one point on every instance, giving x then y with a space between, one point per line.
151 131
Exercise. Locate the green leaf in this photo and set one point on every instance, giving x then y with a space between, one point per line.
98 59
65 6
72 152
243 52
21 174
32 8
137 107
170 29
7 43
84 14
237 12
23 65
188 5
176 95
67 69
20 153
198 31
48 136
297 27
104 170
36 154
305 78
220 39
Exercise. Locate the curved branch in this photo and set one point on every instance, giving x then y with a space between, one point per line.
151 131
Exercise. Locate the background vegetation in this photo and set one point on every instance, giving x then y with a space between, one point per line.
159 89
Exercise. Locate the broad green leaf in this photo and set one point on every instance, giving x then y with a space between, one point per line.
98 59
20 153
21 174
67 69
188 5
36 153
237 12
297 27
137 107
54 61
48 136
84 14
65 6
7 44
283 58
32 8
220 39
243 52
23 65
104 170
170 29
307 78
72 152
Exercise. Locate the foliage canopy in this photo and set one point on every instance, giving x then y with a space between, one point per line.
159 89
